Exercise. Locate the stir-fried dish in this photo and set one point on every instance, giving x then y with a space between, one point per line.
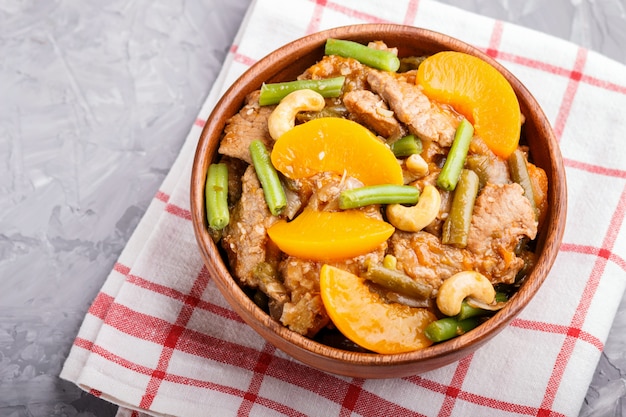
379 203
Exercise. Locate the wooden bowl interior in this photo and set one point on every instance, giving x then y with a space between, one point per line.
285 64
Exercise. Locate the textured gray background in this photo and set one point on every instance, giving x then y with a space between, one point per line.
96 99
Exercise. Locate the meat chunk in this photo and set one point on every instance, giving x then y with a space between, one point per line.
244 127
422 256
370 110
245 238
307 316
236 168
325 188
427 120
305 312
382 46
502 216
335 66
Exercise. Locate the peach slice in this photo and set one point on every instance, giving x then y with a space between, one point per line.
326 236
479 92
363 317
332 144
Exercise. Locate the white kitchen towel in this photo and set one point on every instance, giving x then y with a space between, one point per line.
160 339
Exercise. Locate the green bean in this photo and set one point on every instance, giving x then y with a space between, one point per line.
480 164
468 311
449 327
456 226
397 281
378 194
411 63
273 93
275 196
336 110
449 175
216 196
375 58
269 282
405 146
519 174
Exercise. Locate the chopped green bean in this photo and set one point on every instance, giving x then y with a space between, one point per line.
519 174
397 281
275 196
480 164
449 327
449 175
378 194
273 93
375 58
269 282
332 110
405 146
411 63
456 226
216 196
468 311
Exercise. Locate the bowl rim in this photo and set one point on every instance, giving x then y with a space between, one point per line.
275 331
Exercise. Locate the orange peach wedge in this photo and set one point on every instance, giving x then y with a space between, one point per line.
326 236
363 317
332 144
479 92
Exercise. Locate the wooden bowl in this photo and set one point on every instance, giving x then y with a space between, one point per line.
285 64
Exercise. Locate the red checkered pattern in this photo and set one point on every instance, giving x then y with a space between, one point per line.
160 339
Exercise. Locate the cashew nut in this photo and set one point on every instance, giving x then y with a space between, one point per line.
417 165
461 285
283 117
415 218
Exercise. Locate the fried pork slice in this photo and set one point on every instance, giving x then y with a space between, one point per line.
426 119
370 110
244 127
304 313
502 217
335 66
245 238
